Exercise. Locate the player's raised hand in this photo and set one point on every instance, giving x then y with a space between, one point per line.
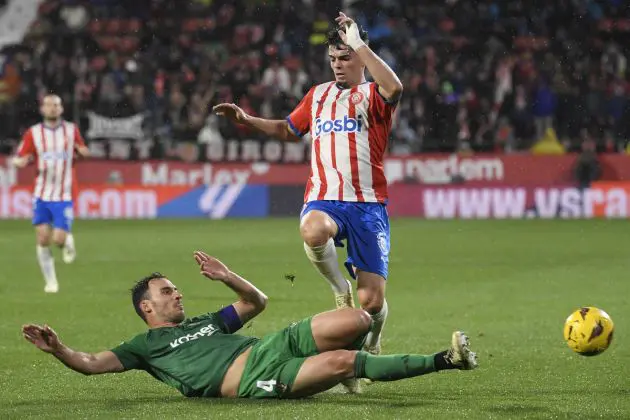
350 35
19 162
231 111
211 267
44 338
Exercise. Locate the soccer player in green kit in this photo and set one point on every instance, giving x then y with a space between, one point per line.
202 357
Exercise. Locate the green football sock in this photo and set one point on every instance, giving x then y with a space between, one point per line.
397 366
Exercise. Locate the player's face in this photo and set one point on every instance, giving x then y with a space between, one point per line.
345 64
51 108
165 301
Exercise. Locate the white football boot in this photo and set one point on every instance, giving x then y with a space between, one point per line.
345 300
51 288
69 252
459 355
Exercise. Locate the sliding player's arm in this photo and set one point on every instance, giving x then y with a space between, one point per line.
389 85
45 339
25 152
251 300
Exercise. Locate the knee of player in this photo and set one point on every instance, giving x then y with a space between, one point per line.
314 235
342 362
372 303
364 320
59 239
43 240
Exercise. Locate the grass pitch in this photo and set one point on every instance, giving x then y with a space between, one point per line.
509 284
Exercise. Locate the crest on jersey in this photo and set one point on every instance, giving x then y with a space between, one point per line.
382 242
356 98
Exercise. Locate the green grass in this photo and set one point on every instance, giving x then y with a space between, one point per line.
509 284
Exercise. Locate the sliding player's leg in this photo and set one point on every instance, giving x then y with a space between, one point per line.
275 361
321 372
340 329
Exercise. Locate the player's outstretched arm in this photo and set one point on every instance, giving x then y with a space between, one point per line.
252 301
25 151
45 339
389 84
278 129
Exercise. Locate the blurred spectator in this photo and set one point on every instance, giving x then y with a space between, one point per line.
587 167
478 76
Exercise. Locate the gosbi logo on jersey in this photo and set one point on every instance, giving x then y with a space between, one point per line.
54 155
345 125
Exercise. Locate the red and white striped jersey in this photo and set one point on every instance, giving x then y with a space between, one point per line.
349 130
53 149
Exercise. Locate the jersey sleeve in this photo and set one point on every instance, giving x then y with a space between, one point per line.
380 106
300 119
27 145
226 319
132 354
78 138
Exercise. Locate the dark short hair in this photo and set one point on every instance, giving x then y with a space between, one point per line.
333 38
140 292
50 95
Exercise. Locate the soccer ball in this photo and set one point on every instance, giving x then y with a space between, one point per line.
588 331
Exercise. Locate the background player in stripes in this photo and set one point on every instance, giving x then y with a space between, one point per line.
52 145
349 121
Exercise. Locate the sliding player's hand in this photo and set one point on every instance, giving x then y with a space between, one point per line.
232 112
44 338
211 267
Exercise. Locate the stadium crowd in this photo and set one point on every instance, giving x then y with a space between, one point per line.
489 75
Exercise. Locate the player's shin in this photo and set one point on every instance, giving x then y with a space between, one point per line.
372 342
69 252
47 265
396 366
324 258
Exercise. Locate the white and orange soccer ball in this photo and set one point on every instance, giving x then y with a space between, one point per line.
588 331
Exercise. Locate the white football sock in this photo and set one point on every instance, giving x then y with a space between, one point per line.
379 321
47 265
69 242
324 258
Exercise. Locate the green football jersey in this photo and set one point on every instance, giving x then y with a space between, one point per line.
191 357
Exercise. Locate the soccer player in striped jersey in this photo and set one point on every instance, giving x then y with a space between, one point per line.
349 120
52 145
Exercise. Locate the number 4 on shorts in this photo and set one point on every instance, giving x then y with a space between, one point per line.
266 385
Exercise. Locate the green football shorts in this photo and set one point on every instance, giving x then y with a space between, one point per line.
275 361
